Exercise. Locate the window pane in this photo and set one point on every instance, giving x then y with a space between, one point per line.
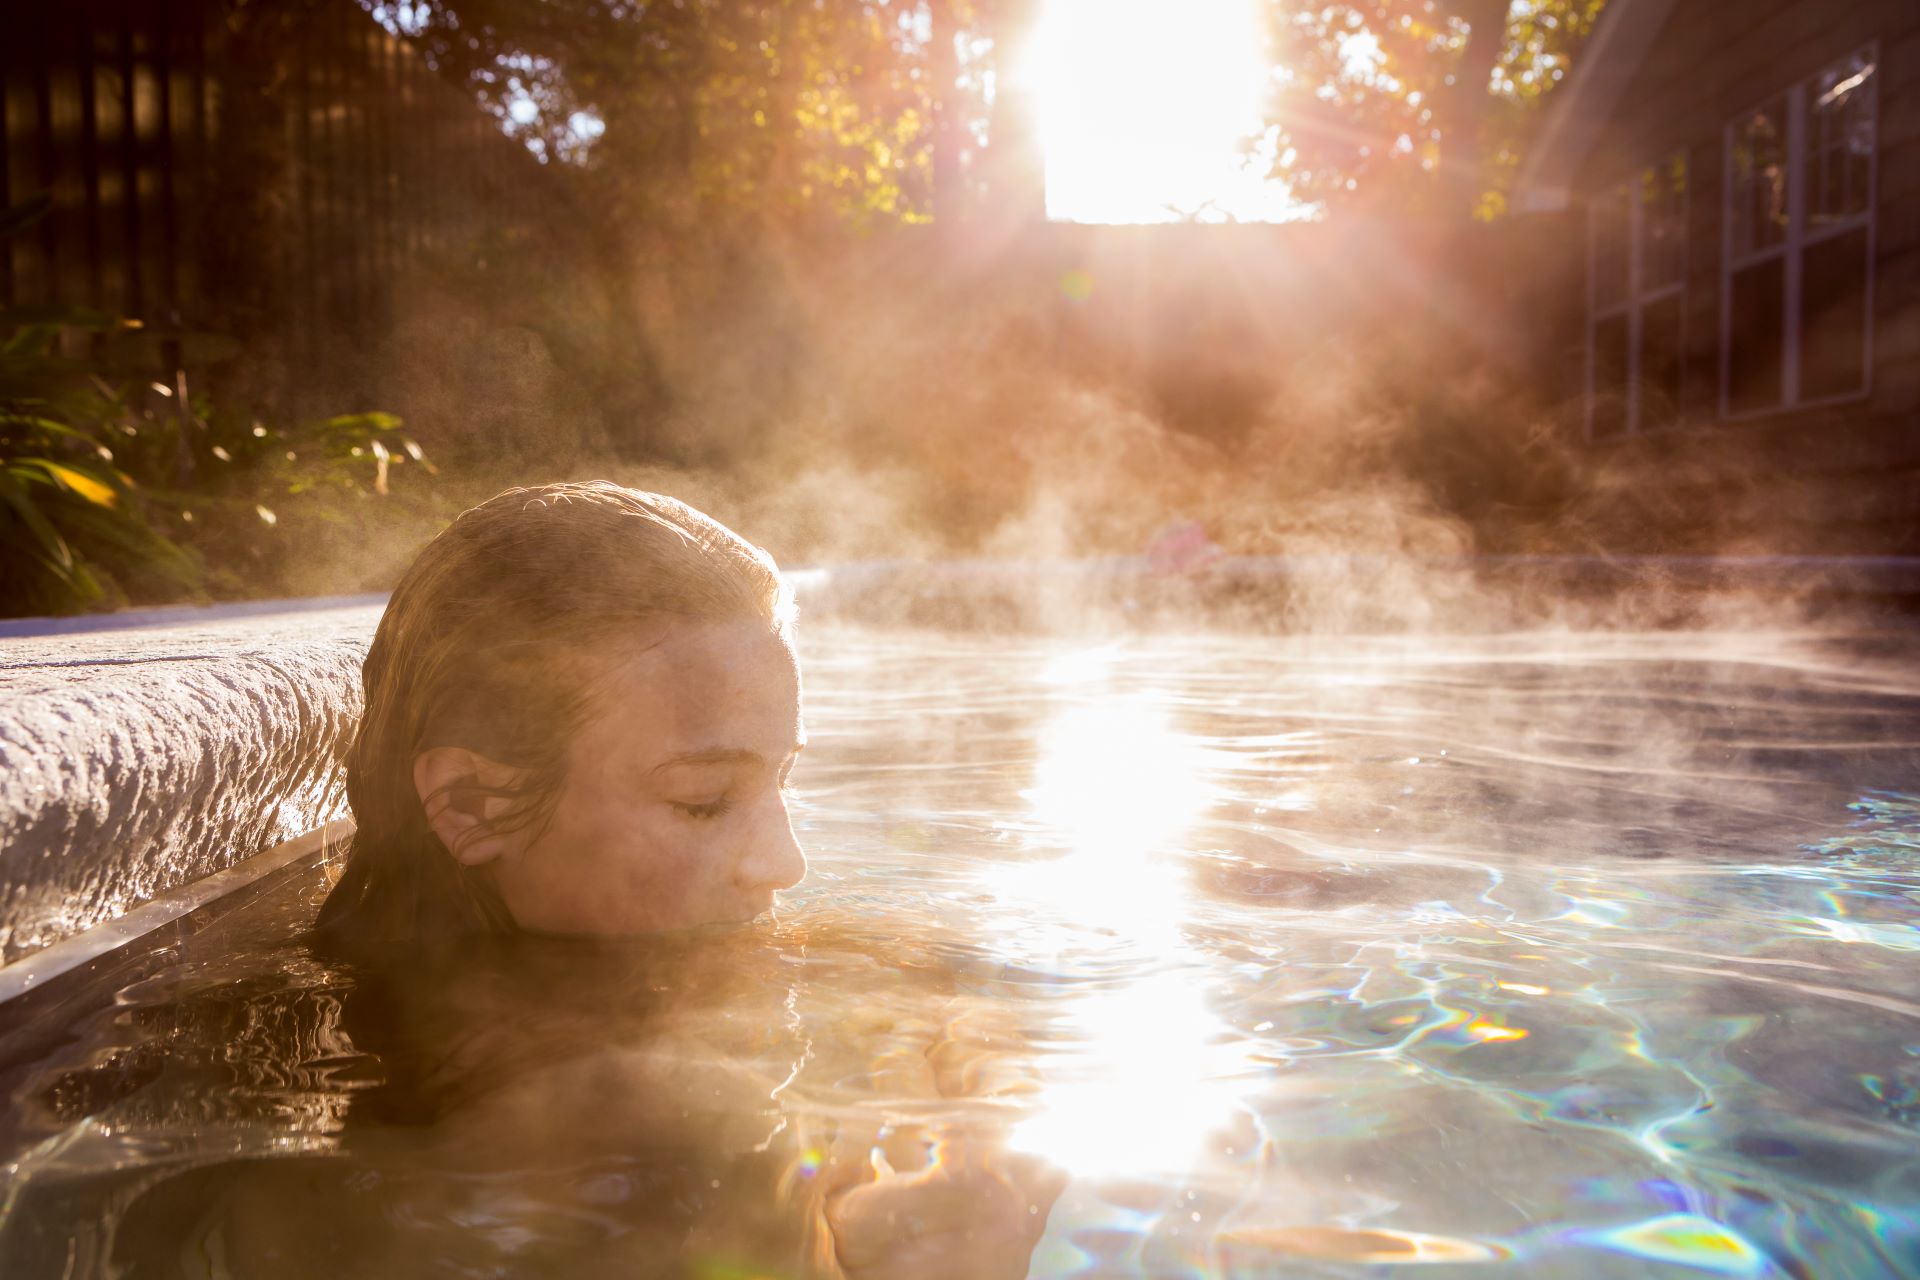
1757 317
1833 317
1840 139
1609 216
1759 195
1609 377
1660 358
1663 224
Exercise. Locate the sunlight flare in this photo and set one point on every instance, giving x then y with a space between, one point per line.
1150 111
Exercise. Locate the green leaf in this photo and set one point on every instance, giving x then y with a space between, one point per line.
84 480
101 528
59 315
35 422
23 365
375 421
18 217
76 481
31 340
53 548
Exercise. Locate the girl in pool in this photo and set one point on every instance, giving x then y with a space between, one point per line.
582 707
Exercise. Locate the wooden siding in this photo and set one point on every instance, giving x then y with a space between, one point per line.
1839 478
1716 58
1711 62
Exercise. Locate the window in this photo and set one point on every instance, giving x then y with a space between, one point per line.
1636 292
1797 283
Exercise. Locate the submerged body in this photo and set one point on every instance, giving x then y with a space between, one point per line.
578 1110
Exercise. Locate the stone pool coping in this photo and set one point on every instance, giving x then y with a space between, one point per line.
145 751
142 752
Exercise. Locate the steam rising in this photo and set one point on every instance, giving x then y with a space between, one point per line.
1384 410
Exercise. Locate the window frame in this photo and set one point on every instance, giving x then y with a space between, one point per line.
1795 242
1636 298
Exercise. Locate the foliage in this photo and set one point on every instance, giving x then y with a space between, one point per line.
1542 39
114 492
72 522
266 499
1370 112
706 111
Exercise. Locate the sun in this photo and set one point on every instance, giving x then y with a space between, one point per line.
1150 111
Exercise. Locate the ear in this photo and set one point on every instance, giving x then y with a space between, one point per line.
460 791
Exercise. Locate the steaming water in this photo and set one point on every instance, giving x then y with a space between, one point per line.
1562 956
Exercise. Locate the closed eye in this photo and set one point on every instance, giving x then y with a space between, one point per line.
711 809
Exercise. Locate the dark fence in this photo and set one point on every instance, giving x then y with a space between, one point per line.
265 170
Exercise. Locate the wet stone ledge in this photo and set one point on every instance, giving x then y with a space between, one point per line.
141 752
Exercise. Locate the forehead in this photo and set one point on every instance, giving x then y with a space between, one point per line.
701 686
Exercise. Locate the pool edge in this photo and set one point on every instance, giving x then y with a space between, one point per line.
34 970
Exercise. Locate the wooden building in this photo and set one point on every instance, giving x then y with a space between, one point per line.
1749 175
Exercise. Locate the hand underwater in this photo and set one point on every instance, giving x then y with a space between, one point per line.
975 1213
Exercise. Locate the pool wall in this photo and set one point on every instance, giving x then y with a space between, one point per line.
149 751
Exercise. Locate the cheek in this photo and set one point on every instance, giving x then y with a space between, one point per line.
626 848
619 862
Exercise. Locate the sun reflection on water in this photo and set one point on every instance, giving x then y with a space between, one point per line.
1145 1079
1117 780
1113 785
1141 1069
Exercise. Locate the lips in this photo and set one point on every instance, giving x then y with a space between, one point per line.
745 916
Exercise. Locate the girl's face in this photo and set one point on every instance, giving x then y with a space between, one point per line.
674 811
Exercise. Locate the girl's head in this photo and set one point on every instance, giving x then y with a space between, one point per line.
581 707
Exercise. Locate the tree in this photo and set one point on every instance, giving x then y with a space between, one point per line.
716 147
705 113
1415 105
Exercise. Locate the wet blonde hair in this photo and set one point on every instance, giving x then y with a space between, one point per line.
495 641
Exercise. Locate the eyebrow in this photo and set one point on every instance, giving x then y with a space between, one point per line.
720 755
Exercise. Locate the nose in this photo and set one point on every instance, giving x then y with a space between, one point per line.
774 859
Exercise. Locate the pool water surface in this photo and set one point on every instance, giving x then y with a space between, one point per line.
1584 955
